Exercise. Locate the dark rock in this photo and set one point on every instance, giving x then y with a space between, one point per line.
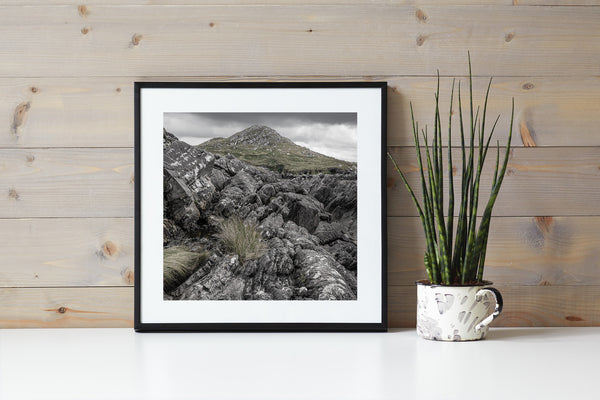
271 224
171 231
181 203
218 178
344 253
299 236
304 210
244 181
229 164
259 213
327 232
277 260
231 199
168 138
266 193
219 283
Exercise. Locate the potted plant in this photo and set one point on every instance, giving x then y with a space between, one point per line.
453 304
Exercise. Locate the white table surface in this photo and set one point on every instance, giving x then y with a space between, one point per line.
513 363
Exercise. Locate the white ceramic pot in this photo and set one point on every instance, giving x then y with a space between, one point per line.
456 313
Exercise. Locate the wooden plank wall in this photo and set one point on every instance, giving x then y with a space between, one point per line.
66 133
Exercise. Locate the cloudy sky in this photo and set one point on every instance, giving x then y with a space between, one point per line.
332 134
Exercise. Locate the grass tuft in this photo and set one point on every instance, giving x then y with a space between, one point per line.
242 238
178 265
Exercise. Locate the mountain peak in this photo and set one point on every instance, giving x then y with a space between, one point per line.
263 146
258 135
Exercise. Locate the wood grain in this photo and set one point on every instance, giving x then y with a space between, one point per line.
71 307
99 251
556 2
113 307
263 2
99 183
309 2
523 306
297 40
66 183
521 251
60 112
66 252
555 111
539 181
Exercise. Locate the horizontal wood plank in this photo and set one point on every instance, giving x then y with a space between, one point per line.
66 183
539 182
548 111
298 40
69 112
56 112
99 183
309 2
556 2
523 306
113 307
66 307
99 251
268 2
66 252
521 251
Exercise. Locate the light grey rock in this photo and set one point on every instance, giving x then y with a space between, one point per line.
323 277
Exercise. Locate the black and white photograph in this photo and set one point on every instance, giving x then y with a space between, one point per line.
259 206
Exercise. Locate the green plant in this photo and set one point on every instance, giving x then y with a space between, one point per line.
179 264
242 238
458 259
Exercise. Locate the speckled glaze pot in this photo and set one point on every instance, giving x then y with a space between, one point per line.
456 313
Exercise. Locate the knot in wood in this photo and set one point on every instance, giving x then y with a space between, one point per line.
83 11
19 116
421 16
13 194
109 249
573 318
528 86
62 310
136 39
128 277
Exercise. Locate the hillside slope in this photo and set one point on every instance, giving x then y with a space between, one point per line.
265 147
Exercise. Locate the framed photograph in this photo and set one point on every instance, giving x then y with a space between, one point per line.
260 206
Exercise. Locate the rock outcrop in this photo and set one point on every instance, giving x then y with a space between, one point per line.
306 224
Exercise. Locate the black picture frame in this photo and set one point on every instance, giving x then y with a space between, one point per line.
145 95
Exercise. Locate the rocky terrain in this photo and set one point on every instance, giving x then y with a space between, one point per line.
246 232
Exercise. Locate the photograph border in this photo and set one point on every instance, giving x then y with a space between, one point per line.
253 326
